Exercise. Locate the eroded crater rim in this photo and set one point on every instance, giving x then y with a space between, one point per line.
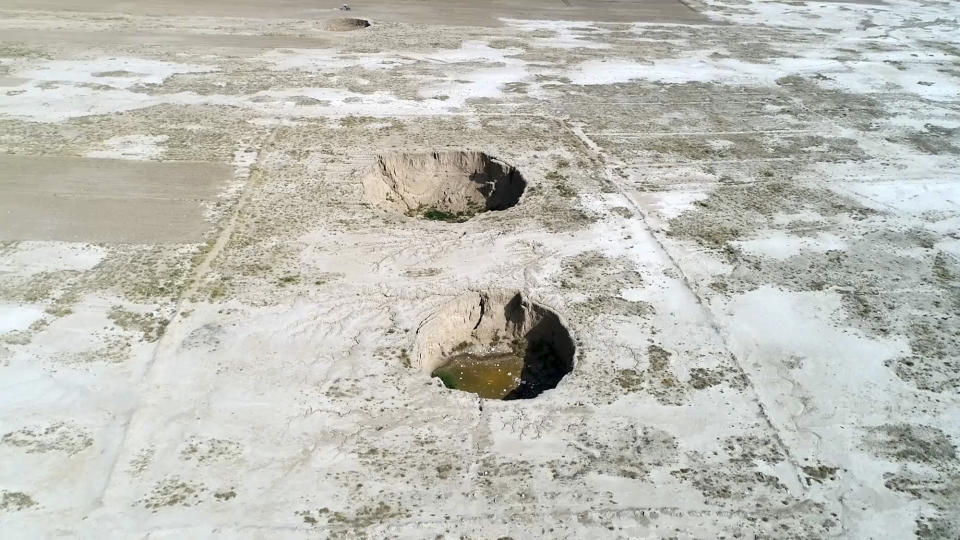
496 344
450 185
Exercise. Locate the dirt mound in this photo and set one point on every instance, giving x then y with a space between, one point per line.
498 345
344 24
445 186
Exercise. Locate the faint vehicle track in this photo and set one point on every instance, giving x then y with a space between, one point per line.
612 169
194 284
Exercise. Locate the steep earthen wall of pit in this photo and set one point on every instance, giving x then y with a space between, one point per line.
454 182
490 319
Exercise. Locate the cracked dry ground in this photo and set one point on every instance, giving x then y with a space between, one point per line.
748 220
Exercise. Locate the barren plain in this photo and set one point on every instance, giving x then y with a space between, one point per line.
738 219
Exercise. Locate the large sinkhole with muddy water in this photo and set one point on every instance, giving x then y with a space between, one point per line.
448 186
498 345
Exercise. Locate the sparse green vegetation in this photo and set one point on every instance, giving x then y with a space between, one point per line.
151 325
173 491
15 501
560 182
225 495
565 190
940 269
217 291
629 380
288 279
439 215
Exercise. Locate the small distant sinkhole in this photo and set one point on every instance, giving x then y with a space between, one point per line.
344 24
450 186
498 345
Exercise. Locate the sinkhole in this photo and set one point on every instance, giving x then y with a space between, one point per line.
497 345
344 24
450 186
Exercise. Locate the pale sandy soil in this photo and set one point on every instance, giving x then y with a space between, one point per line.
746 214
446 13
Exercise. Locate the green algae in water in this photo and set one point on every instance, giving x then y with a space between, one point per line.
490 376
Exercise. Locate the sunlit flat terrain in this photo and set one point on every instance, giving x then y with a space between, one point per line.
744 215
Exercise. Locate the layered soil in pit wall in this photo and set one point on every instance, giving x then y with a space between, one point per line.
448 186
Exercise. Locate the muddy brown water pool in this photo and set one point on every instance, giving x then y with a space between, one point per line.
522 371
492 376
496 344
